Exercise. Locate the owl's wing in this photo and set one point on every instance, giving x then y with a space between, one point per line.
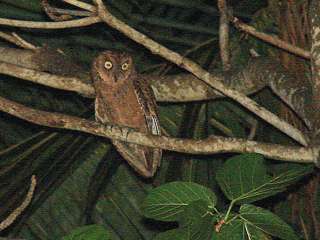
101 111
147 101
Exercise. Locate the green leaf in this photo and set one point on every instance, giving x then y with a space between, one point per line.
244 178
254 233
171 117
190 232
227 118
196 224
119 207
168 201
267 222
198 220
239 230
176 234
194 168
91 232
232 231
194 211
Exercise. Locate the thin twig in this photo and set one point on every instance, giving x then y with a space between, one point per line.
17 40
77 13
23 42
50 25
166 68
199 72
224 35
253 129
82 5
221 127
203 146
13 216
271 39
53 15
61 14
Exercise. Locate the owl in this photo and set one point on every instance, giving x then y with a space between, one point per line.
124 98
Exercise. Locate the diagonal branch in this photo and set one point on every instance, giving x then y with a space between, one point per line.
275 41
16 212
204 146
199 72
15 39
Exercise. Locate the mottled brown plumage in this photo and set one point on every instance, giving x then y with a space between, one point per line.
123 97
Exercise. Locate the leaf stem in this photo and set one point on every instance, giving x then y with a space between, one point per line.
229 211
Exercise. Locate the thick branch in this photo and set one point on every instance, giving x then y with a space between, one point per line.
51 80
199 72
258 73
205 146
315 63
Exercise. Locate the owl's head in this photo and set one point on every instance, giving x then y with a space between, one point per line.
112 68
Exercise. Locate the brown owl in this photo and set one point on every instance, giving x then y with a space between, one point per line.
123 97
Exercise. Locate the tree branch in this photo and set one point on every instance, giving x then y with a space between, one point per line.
224 35
195 69
82 5
199 72
209 145
15 39
314 110
16 212
275 41
66 75
51 80
50 25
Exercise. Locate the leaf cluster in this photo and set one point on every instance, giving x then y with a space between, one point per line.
243 180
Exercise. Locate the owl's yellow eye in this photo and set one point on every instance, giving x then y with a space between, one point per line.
108 65
125 66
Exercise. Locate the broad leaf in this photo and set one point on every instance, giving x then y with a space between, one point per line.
195 168
231 231
194 211
171 117
177 234
244 178
198 220
239 230
254 233
168 201
196 224
91 232
267 222
190 232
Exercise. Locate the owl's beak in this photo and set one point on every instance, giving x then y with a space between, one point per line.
115 78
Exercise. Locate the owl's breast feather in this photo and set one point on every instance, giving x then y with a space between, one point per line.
123 108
